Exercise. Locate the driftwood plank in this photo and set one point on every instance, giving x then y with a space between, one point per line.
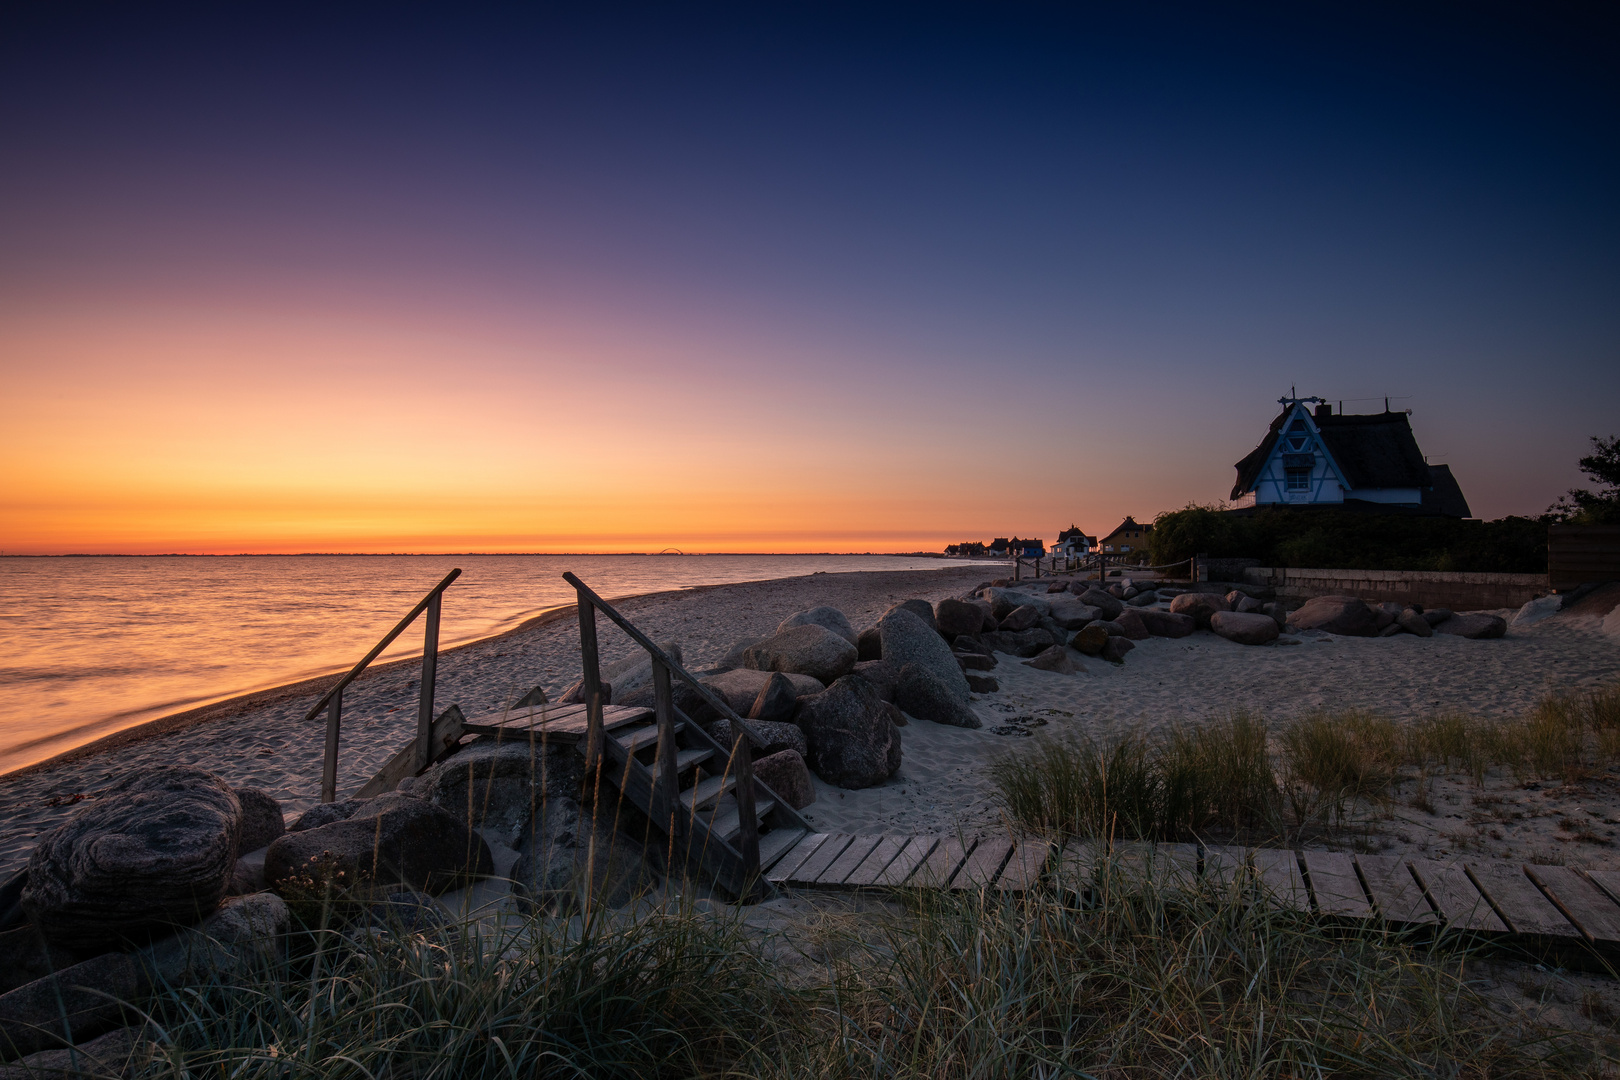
940 865
1279 878
840 868
816 865
791 861
1460 903
917 849
872 867
984 864
1394 891
1024 868
1517 901
1335 888
1225 866
1588 907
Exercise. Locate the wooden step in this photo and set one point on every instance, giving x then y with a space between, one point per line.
641 737
726 822
707 790
686 759
777 843
555 723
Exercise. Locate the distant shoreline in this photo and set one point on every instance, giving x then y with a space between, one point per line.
489 554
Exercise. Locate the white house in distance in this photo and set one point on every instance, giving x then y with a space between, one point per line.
1368 462
1074 543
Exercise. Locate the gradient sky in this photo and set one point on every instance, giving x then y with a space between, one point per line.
778 277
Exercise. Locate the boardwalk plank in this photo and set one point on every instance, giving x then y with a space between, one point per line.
1335 888
792 860
1459 900
777 843
1593 913
983 865
911 856
941 864
846 864
1177 864
1279 878
813 867
872 867
1394 891
1224 866
1024 868
1517 900
1607 880
1077 865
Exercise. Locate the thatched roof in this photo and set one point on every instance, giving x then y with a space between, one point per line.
1376 450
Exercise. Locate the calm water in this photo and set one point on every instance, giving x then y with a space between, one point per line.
92 645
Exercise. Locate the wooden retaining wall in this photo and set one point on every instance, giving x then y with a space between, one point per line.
1577 554
1455 590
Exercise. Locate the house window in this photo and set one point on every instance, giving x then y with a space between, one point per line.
1297 479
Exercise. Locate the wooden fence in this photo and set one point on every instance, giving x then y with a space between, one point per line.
1577 554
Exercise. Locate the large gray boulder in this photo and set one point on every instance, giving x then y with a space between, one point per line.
1347 615
851 742
920 608
1105 602
776 700
262 820
154 851
1003 601
741 687
930 684
570 856
829 618
1021 643
1476 624
869 645
785 773
778 736
117 1055
804 650
1132 625
881 674
497 783
1243 627
244 932
1414 623
71 1005
392 839
987 615
634 672
1199 606
1074 615
956 617
1020 618
1090 640
1167 623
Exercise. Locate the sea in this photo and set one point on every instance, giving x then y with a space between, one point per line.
90 645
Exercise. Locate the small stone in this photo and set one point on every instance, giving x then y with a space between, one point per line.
1056 659
1114 652
983 684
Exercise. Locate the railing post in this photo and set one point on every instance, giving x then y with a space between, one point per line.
334 717
664 780
430 679
592 688
742 762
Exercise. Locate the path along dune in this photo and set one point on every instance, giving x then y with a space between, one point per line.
942 784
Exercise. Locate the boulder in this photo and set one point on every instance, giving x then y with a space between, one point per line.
1244 627
805 650
881 674
1476 624
1128 595
896 716
1109 604
634 672
262 820
1334 615
1114 652
1247 605
786 774
1056 659
1003 601
1021 643
1384 615
1132 625
117 1054
741 687
1168 623
989 622
1143 599
776 700
1090 640
575 694
1534 611
974 661
1072 614
1057 586
1436 616
1020 618
155 850
392 839
25 956
71 1005
1110 627
497 782
568 855
869 645
922 693
982 684
682 696
908 641
956 617
1391 630
326 813
966 644
1413 622
244 933
248 876
1199 607
829 618
920 608
733 657
851 742
778 736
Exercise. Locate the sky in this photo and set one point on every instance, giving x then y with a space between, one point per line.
780 277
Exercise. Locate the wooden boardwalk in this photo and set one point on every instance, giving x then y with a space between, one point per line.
1547 904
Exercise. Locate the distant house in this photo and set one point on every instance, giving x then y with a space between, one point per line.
1074 543
1027 549
1368 462
1128 538
1000 546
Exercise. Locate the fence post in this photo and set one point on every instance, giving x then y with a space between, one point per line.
592 691
430 677
664 780
334 717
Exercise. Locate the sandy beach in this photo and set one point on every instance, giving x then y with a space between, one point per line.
942 785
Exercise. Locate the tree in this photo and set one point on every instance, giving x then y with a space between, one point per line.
1600 507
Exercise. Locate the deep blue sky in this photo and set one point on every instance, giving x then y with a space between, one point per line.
1100 238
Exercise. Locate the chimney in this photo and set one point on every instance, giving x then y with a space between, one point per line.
1324 409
